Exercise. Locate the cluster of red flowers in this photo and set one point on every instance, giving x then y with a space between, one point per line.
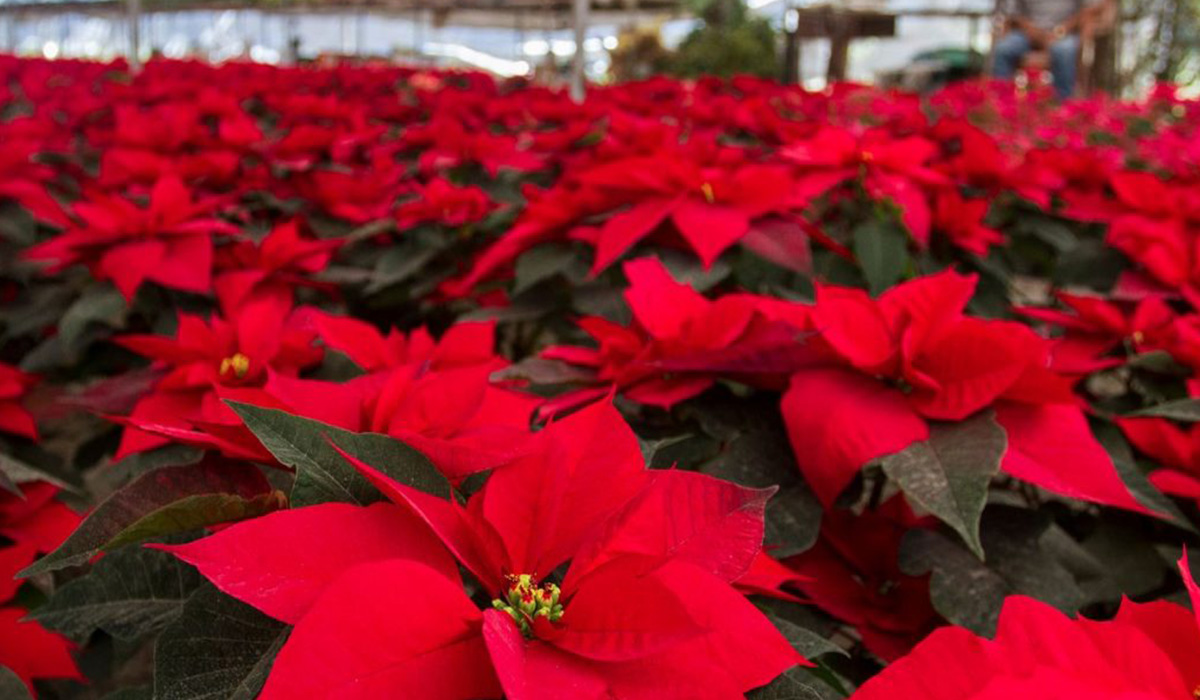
946 304
33 522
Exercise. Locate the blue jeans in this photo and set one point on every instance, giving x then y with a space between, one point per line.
1013 46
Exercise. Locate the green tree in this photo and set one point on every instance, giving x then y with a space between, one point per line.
730 41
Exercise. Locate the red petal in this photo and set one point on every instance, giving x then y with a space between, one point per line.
127 265
625 229
544 505
709 228
1161 440
973 363
33 652
13 558
925 307
767 576
838 420
472 542
1174 629
260 324
1192 589
739 650
720 530
665 393
1175 483
282 562
951 664
782 242
186 265
535 670
388 629
622 611
854 327
1142 191
466 343
16 420
1113 656
46 528
660 304
909 198
233 286
506 646
359 340
1052 447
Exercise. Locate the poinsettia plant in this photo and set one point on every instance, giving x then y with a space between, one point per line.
374 381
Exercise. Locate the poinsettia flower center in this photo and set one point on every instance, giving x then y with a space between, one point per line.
710 195
1138 338
525 601
236 366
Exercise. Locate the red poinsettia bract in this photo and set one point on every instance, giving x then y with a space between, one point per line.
645 609
853 573
1095 327
280 262
913 356
36 522
1176 451
14 417
1149 651
895 169
208 361
169 241
711 206
679 344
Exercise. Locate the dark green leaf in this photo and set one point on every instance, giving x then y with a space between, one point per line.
397 265
787 618
970 593
1159 362
1052 232
145 504
540 371
601 299
141 692
195 512
796 684
522 309
38 308
1181 410
652 449
541 263
1137 570
21 472
685 268
218 648
104 305
322 475
6 483
128 594
142 462
11 686
882 250
793 520
755 452
1139 485
370 230
948 474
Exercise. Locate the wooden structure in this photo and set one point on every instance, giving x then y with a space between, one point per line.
838 24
